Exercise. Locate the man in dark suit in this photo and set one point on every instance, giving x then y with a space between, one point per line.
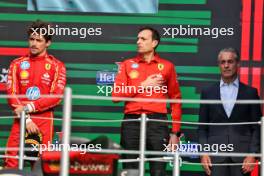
242 138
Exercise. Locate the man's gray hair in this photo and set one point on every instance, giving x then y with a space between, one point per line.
230 50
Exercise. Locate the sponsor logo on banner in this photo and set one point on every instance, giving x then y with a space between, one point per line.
24 74
3 75
3 79
33 93
47 66
105 77
133 74
24 65
160 67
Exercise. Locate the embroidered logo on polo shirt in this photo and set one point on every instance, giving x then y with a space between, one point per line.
47 66
134 65
160 66
133 74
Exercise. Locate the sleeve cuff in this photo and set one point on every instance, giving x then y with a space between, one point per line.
31 107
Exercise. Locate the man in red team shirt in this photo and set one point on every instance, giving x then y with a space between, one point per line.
34 75
148 76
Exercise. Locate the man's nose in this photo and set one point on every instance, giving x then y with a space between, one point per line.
226 64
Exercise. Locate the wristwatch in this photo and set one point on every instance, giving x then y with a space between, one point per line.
25 108
178 133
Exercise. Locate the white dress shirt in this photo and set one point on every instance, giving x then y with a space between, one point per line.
228 92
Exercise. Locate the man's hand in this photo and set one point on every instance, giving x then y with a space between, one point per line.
32 128
206 163
18 109
173 142
246 167
153 81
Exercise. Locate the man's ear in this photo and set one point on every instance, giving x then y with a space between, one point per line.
155 43
48 44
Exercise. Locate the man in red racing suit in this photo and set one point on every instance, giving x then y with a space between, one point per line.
33 76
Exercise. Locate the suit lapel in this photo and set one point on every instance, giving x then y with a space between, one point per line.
220 107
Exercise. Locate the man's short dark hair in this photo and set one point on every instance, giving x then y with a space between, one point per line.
155 34
36 26
231 50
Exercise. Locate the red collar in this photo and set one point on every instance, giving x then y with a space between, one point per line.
139 58
38 57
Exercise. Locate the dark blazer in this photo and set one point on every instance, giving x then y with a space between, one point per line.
244 138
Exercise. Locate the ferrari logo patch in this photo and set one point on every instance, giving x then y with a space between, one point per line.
47 66
160 67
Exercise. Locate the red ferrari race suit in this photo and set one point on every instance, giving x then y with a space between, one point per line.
34 77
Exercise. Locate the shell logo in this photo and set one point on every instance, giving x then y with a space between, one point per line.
24 74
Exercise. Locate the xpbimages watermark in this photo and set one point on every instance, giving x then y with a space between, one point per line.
148 90
70 31
197 31
82 148
194 147
190 147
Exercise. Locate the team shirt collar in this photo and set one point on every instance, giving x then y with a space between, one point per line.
156 58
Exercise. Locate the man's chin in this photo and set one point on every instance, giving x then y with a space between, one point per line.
139 51
34 54
228 76
143 52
